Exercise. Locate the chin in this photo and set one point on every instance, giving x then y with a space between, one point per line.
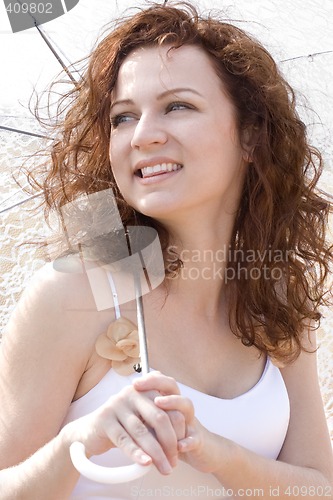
157 209
156 213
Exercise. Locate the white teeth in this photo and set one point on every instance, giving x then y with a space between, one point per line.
161 167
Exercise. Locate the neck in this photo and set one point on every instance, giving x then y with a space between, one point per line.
204 252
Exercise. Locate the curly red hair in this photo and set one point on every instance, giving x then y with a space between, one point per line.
280 210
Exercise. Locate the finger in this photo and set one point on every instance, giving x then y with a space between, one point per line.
190 443
130 422
164 433
149 426
122 440
176 403
137 441
156 381
178 422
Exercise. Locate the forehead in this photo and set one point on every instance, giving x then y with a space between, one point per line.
166 66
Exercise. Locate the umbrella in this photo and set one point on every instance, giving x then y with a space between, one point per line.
298 36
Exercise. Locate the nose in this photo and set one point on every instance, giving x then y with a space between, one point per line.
149 131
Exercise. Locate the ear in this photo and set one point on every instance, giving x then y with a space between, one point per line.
249 138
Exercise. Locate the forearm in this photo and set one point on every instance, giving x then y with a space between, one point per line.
48 473
248 474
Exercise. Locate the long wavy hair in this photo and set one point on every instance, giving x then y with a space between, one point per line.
281 211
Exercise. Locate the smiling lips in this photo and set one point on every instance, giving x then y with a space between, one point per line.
158 169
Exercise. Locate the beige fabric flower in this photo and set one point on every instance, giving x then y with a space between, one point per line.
120 344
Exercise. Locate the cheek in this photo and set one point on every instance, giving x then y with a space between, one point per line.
119 150
112 149
115 155
120 169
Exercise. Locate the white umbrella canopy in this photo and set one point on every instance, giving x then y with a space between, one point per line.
298 34
288 29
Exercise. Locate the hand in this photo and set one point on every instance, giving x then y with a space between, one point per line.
198 446
131 421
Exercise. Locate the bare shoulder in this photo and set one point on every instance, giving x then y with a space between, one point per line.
67 289
307 442
45 351
56 314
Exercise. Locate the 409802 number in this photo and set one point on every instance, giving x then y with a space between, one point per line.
308 491
29 8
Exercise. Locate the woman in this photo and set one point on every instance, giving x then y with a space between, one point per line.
191 124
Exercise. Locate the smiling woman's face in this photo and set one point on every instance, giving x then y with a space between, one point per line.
174 144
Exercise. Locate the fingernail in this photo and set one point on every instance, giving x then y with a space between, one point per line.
143 458
166 468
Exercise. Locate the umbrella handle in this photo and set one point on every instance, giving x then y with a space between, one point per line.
105 475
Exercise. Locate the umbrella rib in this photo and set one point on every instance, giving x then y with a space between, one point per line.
20 203
10 129
54 52
308 55
48 43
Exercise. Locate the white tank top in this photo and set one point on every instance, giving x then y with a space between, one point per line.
257 420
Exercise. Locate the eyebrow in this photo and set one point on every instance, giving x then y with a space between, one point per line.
159 97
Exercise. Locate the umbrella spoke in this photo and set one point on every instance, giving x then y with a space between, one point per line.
20 203
54 52
25 132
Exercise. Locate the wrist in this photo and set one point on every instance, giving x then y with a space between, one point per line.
68 435
226 457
